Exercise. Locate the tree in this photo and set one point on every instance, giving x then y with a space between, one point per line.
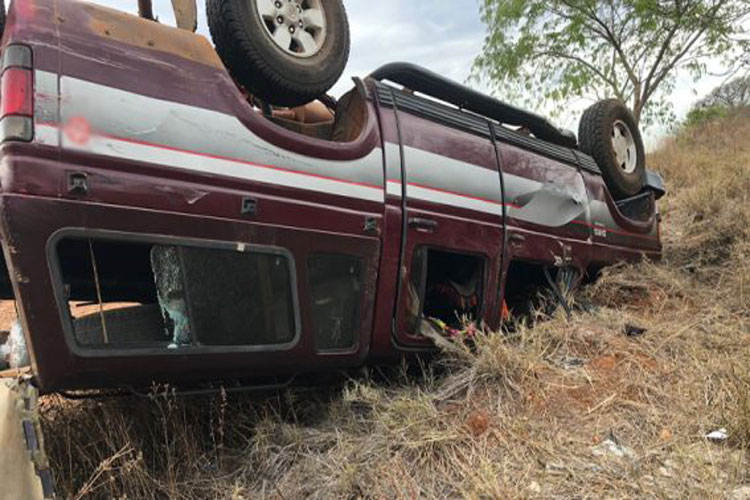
732 94
629 49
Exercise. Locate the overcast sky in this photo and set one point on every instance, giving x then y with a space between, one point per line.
442 35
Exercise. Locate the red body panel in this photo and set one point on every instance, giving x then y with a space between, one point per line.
169 147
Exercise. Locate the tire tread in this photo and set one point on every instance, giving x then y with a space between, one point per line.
595 140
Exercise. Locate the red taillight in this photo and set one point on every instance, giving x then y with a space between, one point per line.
16 93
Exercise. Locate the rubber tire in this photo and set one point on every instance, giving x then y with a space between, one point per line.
265 70
595 139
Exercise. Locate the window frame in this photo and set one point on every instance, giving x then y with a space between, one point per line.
481 309
116 351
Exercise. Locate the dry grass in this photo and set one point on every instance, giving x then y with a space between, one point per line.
516 416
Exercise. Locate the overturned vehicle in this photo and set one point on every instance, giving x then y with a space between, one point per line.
182 213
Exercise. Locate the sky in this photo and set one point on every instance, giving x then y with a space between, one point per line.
442 35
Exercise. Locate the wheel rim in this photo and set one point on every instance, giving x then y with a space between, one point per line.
623 145
298 27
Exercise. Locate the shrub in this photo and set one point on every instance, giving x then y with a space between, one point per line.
700 116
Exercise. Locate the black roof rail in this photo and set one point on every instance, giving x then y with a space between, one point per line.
429 83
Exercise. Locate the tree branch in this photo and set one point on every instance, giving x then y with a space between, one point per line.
584 63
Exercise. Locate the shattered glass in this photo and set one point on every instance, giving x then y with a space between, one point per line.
180 296
4 356
238 298
222 297
18 354
166 264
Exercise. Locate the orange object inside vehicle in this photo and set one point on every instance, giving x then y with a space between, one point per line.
504 312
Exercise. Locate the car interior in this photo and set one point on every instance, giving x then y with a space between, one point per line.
343 123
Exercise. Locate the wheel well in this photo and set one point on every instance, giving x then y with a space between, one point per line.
524 286
529 289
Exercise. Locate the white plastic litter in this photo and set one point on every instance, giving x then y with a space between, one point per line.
19 355
610 448
718 436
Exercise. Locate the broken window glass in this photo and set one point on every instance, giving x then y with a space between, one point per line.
138 295
335 289
415 290
170 289
238 298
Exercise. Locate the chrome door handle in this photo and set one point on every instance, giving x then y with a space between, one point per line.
517 239
420 223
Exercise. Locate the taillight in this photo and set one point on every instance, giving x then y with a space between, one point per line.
16 91
17 95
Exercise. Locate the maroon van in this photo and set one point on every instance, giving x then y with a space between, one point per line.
158 226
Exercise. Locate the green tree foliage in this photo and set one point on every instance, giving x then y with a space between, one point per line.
699 116
629 49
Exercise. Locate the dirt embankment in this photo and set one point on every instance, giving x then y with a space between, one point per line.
570 408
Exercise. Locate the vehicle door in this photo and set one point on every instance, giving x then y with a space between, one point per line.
452 210
547 203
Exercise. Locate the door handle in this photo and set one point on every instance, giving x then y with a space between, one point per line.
517 239
420 223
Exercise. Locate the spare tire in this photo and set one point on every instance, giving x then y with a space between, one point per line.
284 52
608 132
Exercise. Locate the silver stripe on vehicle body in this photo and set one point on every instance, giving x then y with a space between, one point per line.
126 115
429 169
141 128
549 206
134 124
188 160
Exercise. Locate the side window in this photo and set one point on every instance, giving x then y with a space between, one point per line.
444 286
336 299
224 298
125 295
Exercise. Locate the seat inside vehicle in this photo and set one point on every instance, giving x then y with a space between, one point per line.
351 115
314 119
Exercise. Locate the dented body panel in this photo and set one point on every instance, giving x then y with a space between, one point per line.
142 141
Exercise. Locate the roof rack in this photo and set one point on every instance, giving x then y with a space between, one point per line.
426 82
